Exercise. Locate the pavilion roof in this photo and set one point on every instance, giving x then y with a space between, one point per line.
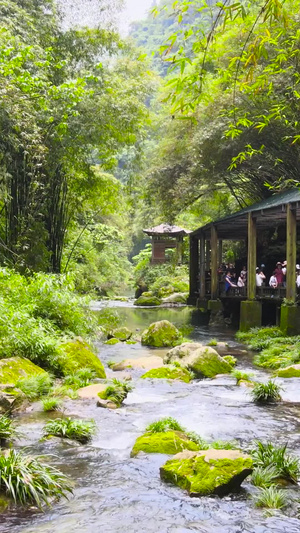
166 229
268 213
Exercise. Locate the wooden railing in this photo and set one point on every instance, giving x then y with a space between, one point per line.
264 293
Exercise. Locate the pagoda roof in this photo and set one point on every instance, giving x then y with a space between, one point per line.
166 229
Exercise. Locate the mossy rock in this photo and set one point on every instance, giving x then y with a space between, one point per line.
112 342
14 368
170 442
147 301
5 503
160 334
123 334
207 472
78 354
292 371
176 298
182 351
232 361
169 372
204 361
146 363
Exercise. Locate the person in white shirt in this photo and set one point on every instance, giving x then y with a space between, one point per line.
260 277
273 281
298 276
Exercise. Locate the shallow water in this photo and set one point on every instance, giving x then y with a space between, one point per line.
116 493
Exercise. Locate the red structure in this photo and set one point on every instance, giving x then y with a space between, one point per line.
163 237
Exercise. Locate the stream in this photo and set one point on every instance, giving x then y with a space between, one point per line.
117 494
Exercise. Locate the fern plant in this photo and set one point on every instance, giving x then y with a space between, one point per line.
68 428
266 392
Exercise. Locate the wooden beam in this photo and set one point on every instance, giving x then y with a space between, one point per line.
220 252
202 266
194 266
251 275
214 263
207 255
291 253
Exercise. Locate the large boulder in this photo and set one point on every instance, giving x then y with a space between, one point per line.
169 372
147 301
204 362
15 368
78 354
169 442
146 363
176 298
182 351
160 334
207 472
11 400
292 371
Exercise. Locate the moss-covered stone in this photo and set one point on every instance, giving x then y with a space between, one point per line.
147 301
112 342
14 368
144 363
182 351
203 361
5 503
170 443
176 298
169 372
207 472
289 372
232 361
123 334
160 334
78 354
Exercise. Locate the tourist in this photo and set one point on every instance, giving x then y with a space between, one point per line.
298 276
260 277
244 273
241 280
273 281
284 264
228 281
279 274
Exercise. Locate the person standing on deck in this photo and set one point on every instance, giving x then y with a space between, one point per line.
260 277
279 274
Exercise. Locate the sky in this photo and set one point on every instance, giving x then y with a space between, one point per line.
135 10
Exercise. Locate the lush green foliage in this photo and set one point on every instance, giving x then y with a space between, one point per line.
80 378
241 376
267 455
68 428
29 481
108 319
7 429
36 386
117 392
271 497
266 392
51 404
164 425
264 476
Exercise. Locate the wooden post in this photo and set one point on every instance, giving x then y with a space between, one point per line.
220 252
179 247
291 253
251 275
194 266
207 255
214 263
202 266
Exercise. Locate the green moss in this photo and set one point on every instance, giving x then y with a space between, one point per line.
278 356
232 361
130 342
15 368
161 333
149 301
112 342
123 334
169 372
289 372
4 503
78 354
171 442
208 364
200 477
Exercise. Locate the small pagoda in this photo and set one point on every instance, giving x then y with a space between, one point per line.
163 237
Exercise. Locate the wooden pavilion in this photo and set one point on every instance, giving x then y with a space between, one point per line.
163 237
282 209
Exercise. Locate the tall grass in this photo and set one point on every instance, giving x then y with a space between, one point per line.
267 455
271 498
68 428
35 386
266 392
117 392
7 430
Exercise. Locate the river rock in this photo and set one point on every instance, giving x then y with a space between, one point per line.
169 442
204 361
78 354
91 391
147 363
292 371
122 334
176 298
106 404
147 301
10 402
180 352
208 471
14 368
169 372
160 334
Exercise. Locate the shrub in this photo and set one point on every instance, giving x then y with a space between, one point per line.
7 429
266 392
68 428
264 477
36 386
117 392
108 320
164 425
51 404
271 497
241 376
28 480
266 455
80 378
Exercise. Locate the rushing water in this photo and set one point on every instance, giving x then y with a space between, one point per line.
116 494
